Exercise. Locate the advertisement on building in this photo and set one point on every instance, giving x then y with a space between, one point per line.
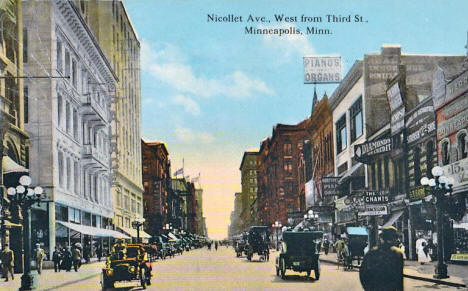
322 69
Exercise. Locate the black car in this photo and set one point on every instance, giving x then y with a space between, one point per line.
258 240
300 252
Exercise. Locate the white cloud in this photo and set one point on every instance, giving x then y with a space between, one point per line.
188 135
287 44
169 66
190 106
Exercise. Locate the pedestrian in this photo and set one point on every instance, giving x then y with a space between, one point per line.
382 266
99 253
67 259
423 253
8 259
340 247
39 255
76 258
86 253
56 258
326 246
216 245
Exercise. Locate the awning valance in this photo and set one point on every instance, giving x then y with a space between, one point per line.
356 230
94 231
133 232
10 166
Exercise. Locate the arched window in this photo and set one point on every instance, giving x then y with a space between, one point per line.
462 145
445 152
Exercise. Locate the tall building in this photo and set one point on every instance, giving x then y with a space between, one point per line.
69 124
156 181
114 32
248 168
13 137
278 186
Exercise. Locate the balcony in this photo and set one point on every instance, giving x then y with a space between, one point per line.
93 109
92 155
7 109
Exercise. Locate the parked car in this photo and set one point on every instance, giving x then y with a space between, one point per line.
300 252
127 262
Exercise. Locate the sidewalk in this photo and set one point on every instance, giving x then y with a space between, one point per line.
50 280
458 273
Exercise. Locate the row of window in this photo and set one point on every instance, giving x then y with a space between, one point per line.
129 202
73 179
453 152
356 125
64 213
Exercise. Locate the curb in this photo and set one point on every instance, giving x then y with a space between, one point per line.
448 283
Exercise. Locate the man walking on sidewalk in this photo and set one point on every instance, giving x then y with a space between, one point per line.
39 255
8 258
56 257
382 267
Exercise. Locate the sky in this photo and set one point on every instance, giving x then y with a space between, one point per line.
211 91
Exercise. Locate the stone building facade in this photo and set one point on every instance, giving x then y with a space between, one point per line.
114 32
248 168
69 123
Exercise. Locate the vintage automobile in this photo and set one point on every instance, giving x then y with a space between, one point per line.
257 242
300 252
127 262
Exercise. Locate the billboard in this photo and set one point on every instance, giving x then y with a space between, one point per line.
322 69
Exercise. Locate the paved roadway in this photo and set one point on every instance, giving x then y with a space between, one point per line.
213 270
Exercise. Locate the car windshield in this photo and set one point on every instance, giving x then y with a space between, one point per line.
132 252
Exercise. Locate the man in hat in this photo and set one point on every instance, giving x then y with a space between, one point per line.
382 267
39 255
8 258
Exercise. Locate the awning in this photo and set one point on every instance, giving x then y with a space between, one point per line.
393 218
133 232
354 230
10 166
350 172
461 225
94 231
172 237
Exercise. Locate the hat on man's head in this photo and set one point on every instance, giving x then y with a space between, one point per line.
389 233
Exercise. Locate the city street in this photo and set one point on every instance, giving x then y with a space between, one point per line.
213 270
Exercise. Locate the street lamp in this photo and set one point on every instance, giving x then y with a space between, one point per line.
25 196
136 224
440 186
311 215
277 225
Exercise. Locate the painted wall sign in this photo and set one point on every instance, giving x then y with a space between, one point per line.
322 69
455 123
369 149
376 197
420 123
374 210
438 87
459 172
457 86
330 186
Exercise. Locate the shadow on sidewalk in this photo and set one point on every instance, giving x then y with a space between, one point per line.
71 282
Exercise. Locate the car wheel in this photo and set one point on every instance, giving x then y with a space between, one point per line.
283 268
143 278
106 283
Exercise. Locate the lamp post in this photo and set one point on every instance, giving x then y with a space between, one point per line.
136 224
311 215
440 185
25 197
277 225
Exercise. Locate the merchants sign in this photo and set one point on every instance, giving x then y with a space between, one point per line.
322 69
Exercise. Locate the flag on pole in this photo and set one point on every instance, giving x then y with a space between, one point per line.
179 171
196 179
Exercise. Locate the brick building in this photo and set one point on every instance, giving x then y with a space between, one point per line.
278 163
156 182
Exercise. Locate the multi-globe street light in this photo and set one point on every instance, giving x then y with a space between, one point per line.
440 185
136 224
25 196
311 215
277 225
